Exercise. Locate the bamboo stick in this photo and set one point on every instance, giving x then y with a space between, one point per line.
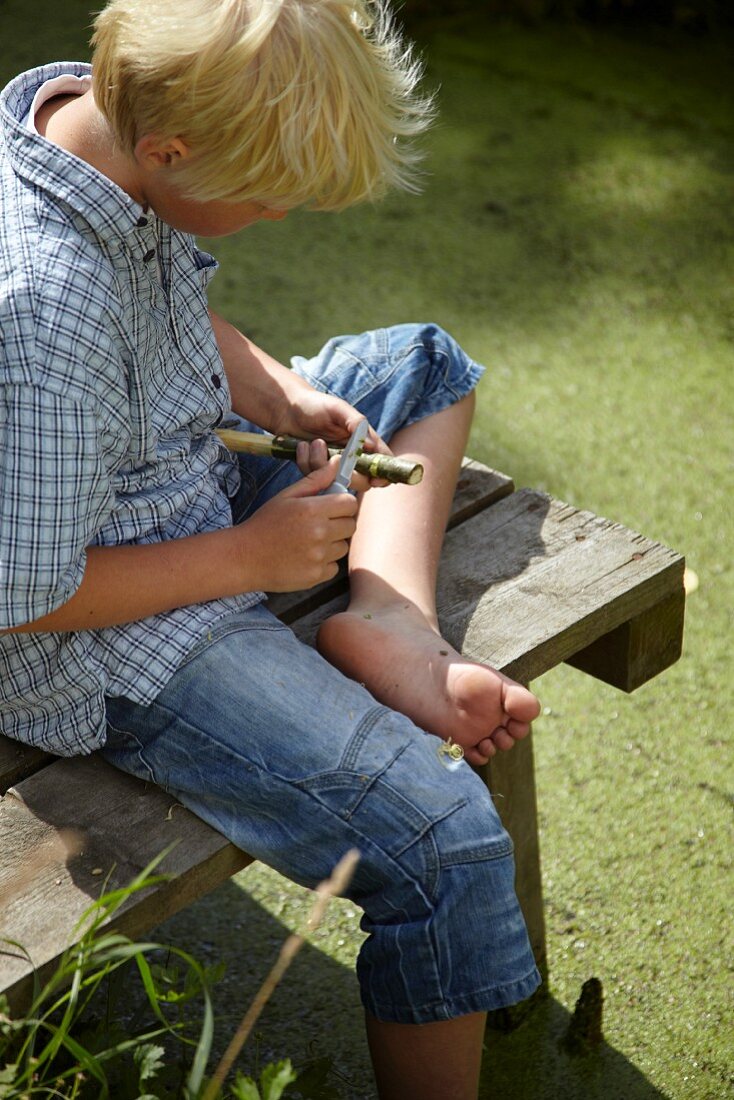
373 464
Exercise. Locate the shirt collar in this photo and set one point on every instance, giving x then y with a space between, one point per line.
109 211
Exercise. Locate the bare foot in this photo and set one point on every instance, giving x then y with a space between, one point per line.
398 655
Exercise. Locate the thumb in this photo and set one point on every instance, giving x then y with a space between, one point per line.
316 481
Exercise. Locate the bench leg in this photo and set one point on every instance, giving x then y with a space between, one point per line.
510 777
639 649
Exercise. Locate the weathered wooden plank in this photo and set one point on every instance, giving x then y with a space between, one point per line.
478 487
637 650
121 825
510 777
18 761
531 581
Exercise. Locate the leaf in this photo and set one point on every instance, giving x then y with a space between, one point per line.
215 972
206 1034
49 1034
7 1024
7 1080
312 1081
275 1079
149 1058
244 1088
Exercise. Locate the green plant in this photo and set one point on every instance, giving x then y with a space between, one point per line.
61 1048
274 1079
53 1050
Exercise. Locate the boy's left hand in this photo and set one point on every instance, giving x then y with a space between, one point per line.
323 419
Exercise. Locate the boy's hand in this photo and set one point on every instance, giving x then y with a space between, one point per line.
296 539
327 419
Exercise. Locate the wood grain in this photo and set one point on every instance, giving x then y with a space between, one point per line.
634 652
17 761
531 581
510 777
478 487
122 824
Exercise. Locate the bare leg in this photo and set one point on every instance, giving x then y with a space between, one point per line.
388 638
427 1061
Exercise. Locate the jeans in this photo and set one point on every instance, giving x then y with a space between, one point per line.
295 763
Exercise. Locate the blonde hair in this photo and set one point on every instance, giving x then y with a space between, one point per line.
283 102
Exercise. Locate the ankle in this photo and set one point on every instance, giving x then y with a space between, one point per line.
400 612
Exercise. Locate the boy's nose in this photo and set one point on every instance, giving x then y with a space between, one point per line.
274 215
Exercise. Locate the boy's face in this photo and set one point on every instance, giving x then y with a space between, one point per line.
210 219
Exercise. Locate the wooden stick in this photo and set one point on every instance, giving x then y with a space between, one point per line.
373 464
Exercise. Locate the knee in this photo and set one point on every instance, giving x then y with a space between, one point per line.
429 336
446 846
450 374
452 940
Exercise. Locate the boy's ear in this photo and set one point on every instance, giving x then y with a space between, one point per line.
153 153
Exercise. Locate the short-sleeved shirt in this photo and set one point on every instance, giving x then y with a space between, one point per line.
111 384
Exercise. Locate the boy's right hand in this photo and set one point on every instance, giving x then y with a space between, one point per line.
296 539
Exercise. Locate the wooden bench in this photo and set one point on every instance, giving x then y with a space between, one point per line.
526 583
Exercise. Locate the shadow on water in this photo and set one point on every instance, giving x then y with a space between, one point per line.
531 1063
316 1013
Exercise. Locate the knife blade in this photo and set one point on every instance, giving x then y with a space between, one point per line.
348 460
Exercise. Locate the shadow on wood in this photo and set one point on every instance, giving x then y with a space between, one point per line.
120 825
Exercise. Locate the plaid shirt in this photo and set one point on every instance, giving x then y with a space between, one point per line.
110 385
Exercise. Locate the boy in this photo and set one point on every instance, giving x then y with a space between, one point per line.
134 550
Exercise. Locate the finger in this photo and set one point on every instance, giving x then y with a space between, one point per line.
311 455
360 483
302 457
339 550
315 482
343 527
335 505
329 571
374 442
318 453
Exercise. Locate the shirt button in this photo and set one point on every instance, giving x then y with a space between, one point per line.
217 381
141 222
149 255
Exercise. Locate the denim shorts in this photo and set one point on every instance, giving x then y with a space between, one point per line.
394 376
295 763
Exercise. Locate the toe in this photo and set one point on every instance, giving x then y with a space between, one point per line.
486 749
520 704
517 730
502 739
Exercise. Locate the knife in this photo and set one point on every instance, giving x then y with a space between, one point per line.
348 460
